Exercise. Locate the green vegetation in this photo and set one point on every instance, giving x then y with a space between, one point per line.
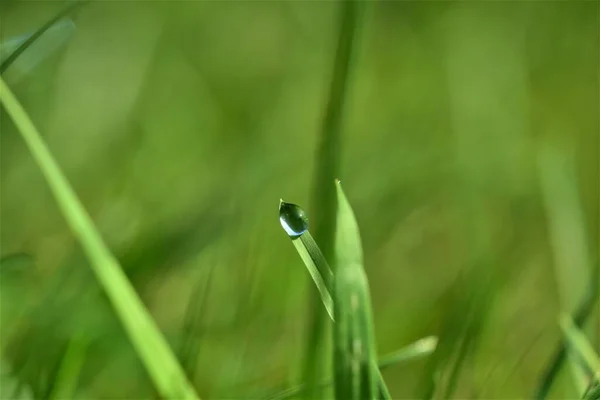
142 148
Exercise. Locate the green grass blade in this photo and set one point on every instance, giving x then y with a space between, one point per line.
326 170
145 336
192 334
295 223
579 345
37 34
419 349
306 249
70 366
593 391
355 376
414 351
581 315
566 221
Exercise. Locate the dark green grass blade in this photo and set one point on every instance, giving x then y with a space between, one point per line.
37 34
192 336
326 170
16 262
593 391
414 351
580 317
480 301
143 333
355 371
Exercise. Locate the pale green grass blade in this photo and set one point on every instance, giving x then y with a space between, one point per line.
10 53
414 351
304 248
579 345
355 374
578 289
419 349
145 336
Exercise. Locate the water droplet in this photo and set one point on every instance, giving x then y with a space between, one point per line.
293 219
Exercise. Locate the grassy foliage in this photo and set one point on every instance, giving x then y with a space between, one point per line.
471 145
144 334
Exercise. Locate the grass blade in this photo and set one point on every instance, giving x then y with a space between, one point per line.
593 391
145 336
326 170
566 221
355 376
65 383
295 223
14 55
419 349
580 346
414 351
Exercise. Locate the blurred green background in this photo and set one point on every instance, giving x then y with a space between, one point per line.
181 124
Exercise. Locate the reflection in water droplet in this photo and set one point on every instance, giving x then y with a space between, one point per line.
293 219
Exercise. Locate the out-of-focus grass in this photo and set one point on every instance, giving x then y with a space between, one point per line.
164 114
143 333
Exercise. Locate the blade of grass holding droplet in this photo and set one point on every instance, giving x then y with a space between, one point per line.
37 34
414 351
295 223
355 354
312 257
326 170
145 336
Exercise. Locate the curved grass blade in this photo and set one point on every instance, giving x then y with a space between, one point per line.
414 351
355 352
40 50
17 46
145 336
567 227
580 346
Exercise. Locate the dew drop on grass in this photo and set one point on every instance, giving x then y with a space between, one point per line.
293 219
